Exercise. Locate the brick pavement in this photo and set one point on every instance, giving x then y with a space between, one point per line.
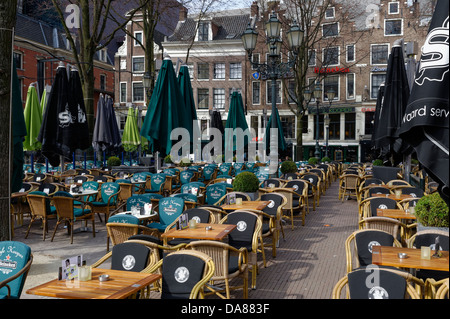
309 261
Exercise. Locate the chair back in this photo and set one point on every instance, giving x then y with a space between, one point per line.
245 232
225 169
385 173
63 202
381 203
100 178
130 257
390 285
182 272
141 176
124 218
298 185
373 181
215 192
276 200
377 190
110 189
80 179
272 181
39 203
366 239
15 257
413 191
39 177
187 197
48 188
157 181
92 186
138 201
170 208
200 215
152 196
208 172
239 167
186 176
186 188
428 238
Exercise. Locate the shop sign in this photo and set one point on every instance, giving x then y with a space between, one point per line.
331 70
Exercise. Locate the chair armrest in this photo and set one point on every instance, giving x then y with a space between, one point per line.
24 270
102 260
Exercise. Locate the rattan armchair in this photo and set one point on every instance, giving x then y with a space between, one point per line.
247 234
393 226
182 274
358 246
348 185
229 263
39 203
392 284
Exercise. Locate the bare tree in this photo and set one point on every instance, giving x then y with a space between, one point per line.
7 23
310 16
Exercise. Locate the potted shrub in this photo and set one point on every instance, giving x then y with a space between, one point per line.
288 167
168 160
185 162
325 159
377 162
432 211
113 161
313 161
247 182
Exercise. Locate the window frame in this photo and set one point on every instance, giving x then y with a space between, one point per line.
133 64
346 52
198 71
333 35
371 84
347 86
338 56
371 53
120 92
216 99
235 70
135 43
222 69
207 98
389 7
253 93
393 34
132 91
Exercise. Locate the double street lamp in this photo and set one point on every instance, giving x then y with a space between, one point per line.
317 93
274 68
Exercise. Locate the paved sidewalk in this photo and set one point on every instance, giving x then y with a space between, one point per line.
309 261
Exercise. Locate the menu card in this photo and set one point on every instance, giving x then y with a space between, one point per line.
69 269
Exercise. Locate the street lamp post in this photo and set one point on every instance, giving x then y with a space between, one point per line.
274 68
317 95
330 95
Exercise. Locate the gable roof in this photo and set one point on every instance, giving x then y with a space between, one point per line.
228 28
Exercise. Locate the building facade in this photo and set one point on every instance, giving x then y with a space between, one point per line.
350 56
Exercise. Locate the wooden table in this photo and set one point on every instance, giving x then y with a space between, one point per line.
258 205
394 197
388 256
121 285
395 213
218 232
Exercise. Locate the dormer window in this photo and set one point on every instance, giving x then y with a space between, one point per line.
203 31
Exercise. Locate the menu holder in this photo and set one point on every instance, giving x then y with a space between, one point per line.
183 222
231 199
70 268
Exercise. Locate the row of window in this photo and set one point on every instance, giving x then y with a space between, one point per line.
329 82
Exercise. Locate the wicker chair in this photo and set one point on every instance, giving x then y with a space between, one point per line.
120 227
229 262
108 200
175 266
348 184
393 226
39 203
358 246
247 234
64 204
392 284
432 278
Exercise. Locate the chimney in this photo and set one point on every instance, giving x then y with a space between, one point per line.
183 14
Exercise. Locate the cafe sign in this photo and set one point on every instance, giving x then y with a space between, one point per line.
332 110
332 70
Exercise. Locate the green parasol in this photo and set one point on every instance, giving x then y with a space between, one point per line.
33 120
130 138
165 112
236 119
281 141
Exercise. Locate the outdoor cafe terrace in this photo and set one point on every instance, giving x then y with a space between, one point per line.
310 260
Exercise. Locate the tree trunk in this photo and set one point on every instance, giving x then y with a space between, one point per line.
7 24
299 148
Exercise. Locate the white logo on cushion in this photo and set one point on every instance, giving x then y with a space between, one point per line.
241 226
371 244
181 274
128 262
378 293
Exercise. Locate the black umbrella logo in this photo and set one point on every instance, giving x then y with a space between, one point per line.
434 63
65 118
